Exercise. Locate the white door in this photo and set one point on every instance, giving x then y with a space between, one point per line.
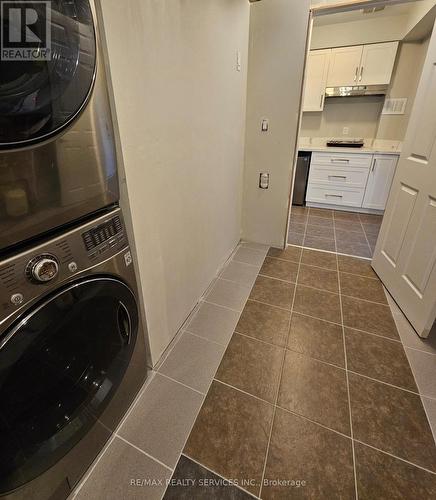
405 255
380 178
316 80
377 64
344 66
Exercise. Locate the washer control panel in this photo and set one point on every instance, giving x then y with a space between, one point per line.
102 237
42 268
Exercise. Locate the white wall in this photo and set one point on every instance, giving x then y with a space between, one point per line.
180 107
278 34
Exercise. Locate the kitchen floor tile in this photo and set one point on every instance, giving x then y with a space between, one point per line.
317 303
263 322
424 367
341 215
369 317
371 218
295 238
273 292
280 269
296 209
204 359
248 256
192 481
349 226
380 476
318 278
239 272
378 358
320 259
214 323
322 212
297 228
320 221
228 294
317 338
260 247
298 218
362 288
289 253
161 420
303 451
320 231
351 248
350 237
319 243
231 434
392 420
252 366
315 390
118 467
357 266
430 409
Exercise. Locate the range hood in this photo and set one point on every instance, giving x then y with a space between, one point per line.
358 90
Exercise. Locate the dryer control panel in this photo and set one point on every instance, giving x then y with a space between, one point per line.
100 238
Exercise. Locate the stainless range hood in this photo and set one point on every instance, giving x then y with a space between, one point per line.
358 90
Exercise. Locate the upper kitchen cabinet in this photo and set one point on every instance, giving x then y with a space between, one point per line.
362 65
344 66
317 68
377 63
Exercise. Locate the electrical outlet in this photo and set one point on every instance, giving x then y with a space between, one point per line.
345 131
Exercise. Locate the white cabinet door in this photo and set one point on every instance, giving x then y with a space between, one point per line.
316 79
377 64
344 66
379 183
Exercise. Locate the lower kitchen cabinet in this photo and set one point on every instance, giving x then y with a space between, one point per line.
379 183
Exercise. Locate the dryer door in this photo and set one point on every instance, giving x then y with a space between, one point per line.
47 67
59 368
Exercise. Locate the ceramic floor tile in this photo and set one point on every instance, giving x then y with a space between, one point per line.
192 481
252 366
315 390
289 253
320 231
369 317
362 288
162 418
317 338
296 209
239 272
263 322
317 303
355 265
350 237
371 218
121 473
273 292
231 434
350 226
204 358
260 247
430 409
295 238
320 259
298 218
280 269
380 476
339 215
322 212
303 451
313 220
319 243
379 358
392 420
297 228
248 256
214 323
424 368
373 229
228 294
318 278
351 248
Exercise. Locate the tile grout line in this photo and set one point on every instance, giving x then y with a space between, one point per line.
329 251
336 242
348 389
366 237
145 453
294 293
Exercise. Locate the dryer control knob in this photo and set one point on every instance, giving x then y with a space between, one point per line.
44 269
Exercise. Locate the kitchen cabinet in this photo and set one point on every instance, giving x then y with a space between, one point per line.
316 79
379 182
362 65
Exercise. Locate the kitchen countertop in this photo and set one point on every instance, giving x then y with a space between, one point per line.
371 146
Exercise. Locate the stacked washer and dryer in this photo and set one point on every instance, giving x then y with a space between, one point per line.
73 351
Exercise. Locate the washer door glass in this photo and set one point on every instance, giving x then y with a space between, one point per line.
59 368
42 90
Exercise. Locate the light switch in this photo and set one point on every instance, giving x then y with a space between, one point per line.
264 125
264 180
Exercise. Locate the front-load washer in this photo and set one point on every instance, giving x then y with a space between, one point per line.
57 155
73 356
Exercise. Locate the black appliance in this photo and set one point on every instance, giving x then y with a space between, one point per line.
301 176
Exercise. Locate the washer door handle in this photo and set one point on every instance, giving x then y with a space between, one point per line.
124 323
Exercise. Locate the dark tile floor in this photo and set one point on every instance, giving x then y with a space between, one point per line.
314 397
349 233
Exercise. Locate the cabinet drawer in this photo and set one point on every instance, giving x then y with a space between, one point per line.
338 176
345 160
347 197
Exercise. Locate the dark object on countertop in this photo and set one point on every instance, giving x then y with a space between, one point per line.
345 144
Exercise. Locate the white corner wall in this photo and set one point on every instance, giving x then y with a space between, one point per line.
278 36
180 107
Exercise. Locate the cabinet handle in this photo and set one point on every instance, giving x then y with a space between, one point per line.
374 163
361 73
357 72
337 176
333 195
340 160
